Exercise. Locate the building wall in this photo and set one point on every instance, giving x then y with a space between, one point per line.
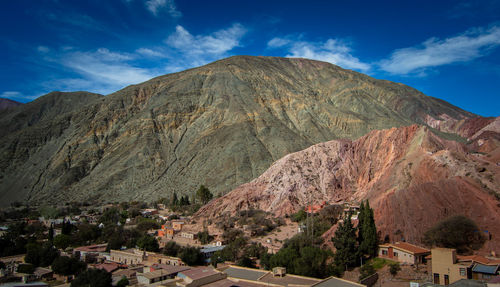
443 263
126 257
396 254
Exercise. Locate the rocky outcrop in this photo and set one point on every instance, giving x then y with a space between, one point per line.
220 125
412 177
8 104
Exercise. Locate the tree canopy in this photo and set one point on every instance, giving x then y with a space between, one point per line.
204 194
457 232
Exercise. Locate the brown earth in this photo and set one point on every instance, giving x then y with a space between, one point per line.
412 177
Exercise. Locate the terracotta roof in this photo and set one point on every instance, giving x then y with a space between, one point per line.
93 248
108 267
407 247
479 259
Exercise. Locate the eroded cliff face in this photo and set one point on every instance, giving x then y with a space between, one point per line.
412 178
220 125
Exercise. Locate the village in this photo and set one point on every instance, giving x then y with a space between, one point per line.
138 244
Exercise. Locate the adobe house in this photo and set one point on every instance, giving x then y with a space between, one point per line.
448 267
177 225
403 252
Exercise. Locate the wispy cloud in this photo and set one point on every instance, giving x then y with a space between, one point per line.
17 96
277 42
43 49
156 6
101 71
195 50
150 53
333 50
434 52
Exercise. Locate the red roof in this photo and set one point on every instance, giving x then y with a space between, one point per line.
93 248
478 259
108 267
407 247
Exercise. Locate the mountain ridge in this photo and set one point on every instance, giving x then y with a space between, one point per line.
220 125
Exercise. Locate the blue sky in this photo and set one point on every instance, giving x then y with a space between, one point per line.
446 49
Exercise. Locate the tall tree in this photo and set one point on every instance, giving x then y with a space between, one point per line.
368 232
175 200
345 243
204 194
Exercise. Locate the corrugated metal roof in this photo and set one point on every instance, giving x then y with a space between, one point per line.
487 269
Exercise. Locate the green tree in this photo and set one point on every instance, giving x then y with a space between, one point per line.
204 194
51 233
123 282
366 270
62 241
171 248
65 265
204 237
175 200
345 243
92 278
246 261
394 268
458 232
192 256
368 242
26 268
148 243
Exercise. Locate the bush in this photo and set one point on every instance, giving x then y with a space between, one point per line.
26 268
92 278
394 268
62 241
366 270
458 232
65 265
192 256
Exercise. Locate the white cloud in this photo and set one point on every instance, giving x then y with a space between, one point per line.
10 94
332 51
109 70
434 52
155 6
15 95
149 53
217 43
42 49
277 42
194 50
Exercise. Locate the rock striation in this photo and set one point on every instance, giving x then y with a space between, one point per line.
412 177
220 125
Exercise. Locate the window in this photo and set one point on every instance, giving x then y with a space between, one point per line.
462 272
384 252
436 278
395 254
446 280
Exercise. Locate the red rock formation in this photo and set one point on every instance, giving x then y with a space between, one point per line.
412 177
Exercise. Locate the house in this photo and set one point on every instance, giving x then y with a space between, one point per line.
161 275
108 267
209 250
177 225
188 235
448 267
199 276
315 208
90 253
483 272
43 273
403 252
129 256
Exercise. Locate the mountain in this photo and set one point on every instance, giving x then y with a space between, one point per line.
220 125
8 104
412 177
